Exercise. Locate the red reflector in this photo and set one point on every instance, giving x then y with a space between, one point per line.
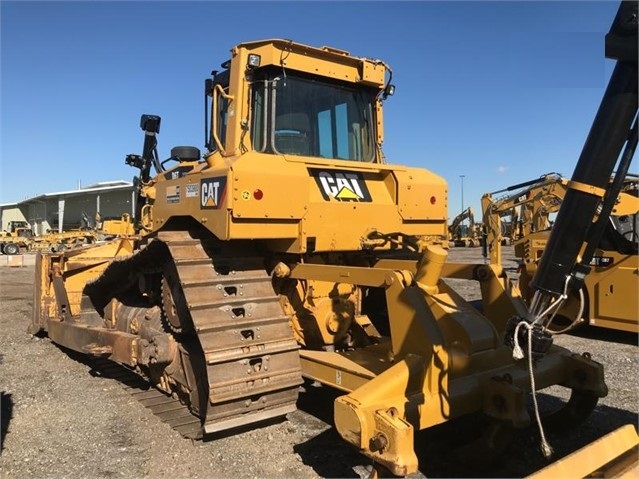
433 200
258 195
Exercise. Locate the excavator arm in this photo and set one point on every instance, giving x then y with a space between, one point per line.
456 233
535 200
590 194
584 212
454 227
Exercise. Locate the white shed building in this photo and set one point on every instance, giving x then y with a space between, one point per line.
66 210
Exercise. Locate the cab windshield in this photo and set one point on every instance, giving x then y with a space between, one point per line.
295 115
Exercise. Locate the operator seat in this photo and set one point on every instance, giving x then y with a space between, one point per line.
292 134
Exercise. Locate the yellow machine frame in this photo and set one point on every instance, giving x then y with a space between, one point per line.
301 243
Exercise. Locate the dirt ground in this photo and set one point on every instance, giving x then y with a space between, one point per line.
60 419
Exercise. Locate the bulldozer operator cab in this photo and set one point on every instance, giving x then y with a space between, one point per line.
622 231
299 114
622 235
307 117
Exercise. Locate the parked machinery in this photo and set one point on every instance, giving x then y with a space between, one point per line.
603 298
528 204
460 234
606 297
18 238
292 250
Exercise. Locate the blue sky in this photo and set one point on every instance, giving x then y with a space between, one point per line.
500 92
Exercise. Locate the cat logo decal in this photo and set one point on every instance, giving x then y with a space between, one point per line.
341 185
212 192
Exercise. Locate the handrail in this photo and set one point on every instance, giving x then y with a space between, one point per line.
218 89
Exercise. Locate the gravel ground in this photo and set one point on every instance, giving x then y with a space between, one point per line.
60 420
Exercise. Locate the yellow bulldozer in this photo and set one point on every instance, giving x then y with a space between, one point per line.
108 228
290 250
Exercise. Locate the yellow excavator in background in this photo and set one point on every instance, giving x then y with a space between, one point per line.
608 298
528 204
603 300
290 250
460 234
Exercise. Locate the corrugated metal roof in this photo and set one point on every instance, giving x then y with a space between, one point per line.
95 188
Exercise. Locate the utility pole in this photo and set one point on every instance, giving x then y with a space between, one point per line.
462 195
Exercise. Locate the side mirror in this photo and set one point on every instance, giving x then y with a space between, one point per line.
150 123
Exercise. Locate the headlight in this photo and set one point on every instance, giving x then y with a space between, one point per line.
253 60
